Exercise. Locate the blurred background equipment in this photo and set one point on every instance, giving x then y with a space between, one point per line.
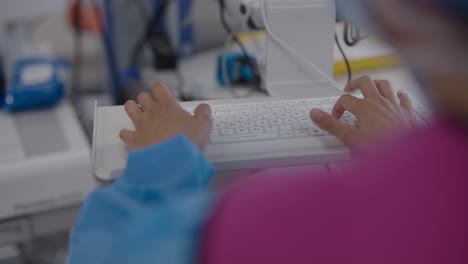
115 49
37 82
35 78
2 80
44 154
293 70
167 38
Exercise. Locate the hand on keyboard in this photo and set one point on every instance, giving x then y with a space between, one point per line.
380 112
163 118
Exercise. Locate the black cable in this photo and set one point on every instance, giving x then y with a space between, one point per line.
2 79
345 58
77 51
228 29
118 94
157 17
352 35
253 65
148 32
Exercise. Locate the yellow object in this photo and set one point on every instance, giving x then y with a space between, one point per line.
359 64
366 64
252 35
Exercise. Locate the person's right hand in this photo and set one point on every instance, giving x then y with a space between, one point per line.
379 113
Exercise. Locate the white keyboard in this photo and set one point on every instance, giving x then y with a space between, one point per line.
274 120
269 120
245 136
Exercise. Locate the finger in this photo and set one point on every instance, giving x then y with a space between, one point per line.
162 94
405 101
385 89
127 136
203 112
133 111
145 101
366 85
333 126
346 103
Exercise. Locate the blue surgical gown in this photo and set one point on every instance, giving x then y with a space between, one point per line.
155 213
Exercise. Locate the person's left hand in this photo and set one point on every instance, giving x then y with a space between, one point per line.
161 117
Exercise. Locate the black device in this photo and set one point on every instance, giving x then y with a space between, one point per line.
157 40
164 55
2 82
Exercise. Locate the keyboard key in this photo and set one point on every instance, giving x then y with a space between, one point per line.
286 134
243 138
276 122
291 121
262 123
257 105
302 126
218 126
271 129
227 132
317 132
233 125
256 117
242 118
297 114
286 128
257 130
247 124
301 133
242 131
312 125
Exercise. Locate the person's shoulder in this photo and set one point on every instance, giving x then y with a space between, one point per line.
417 152
417 155
269 211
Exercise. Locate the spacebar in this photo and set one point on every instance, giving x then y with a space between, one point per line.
243 138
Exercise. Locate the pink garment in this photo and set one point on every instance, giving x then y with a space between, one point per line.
405 203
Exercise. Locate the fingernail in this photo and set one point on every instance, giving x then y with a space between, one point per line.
317 115
209 114
207 110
